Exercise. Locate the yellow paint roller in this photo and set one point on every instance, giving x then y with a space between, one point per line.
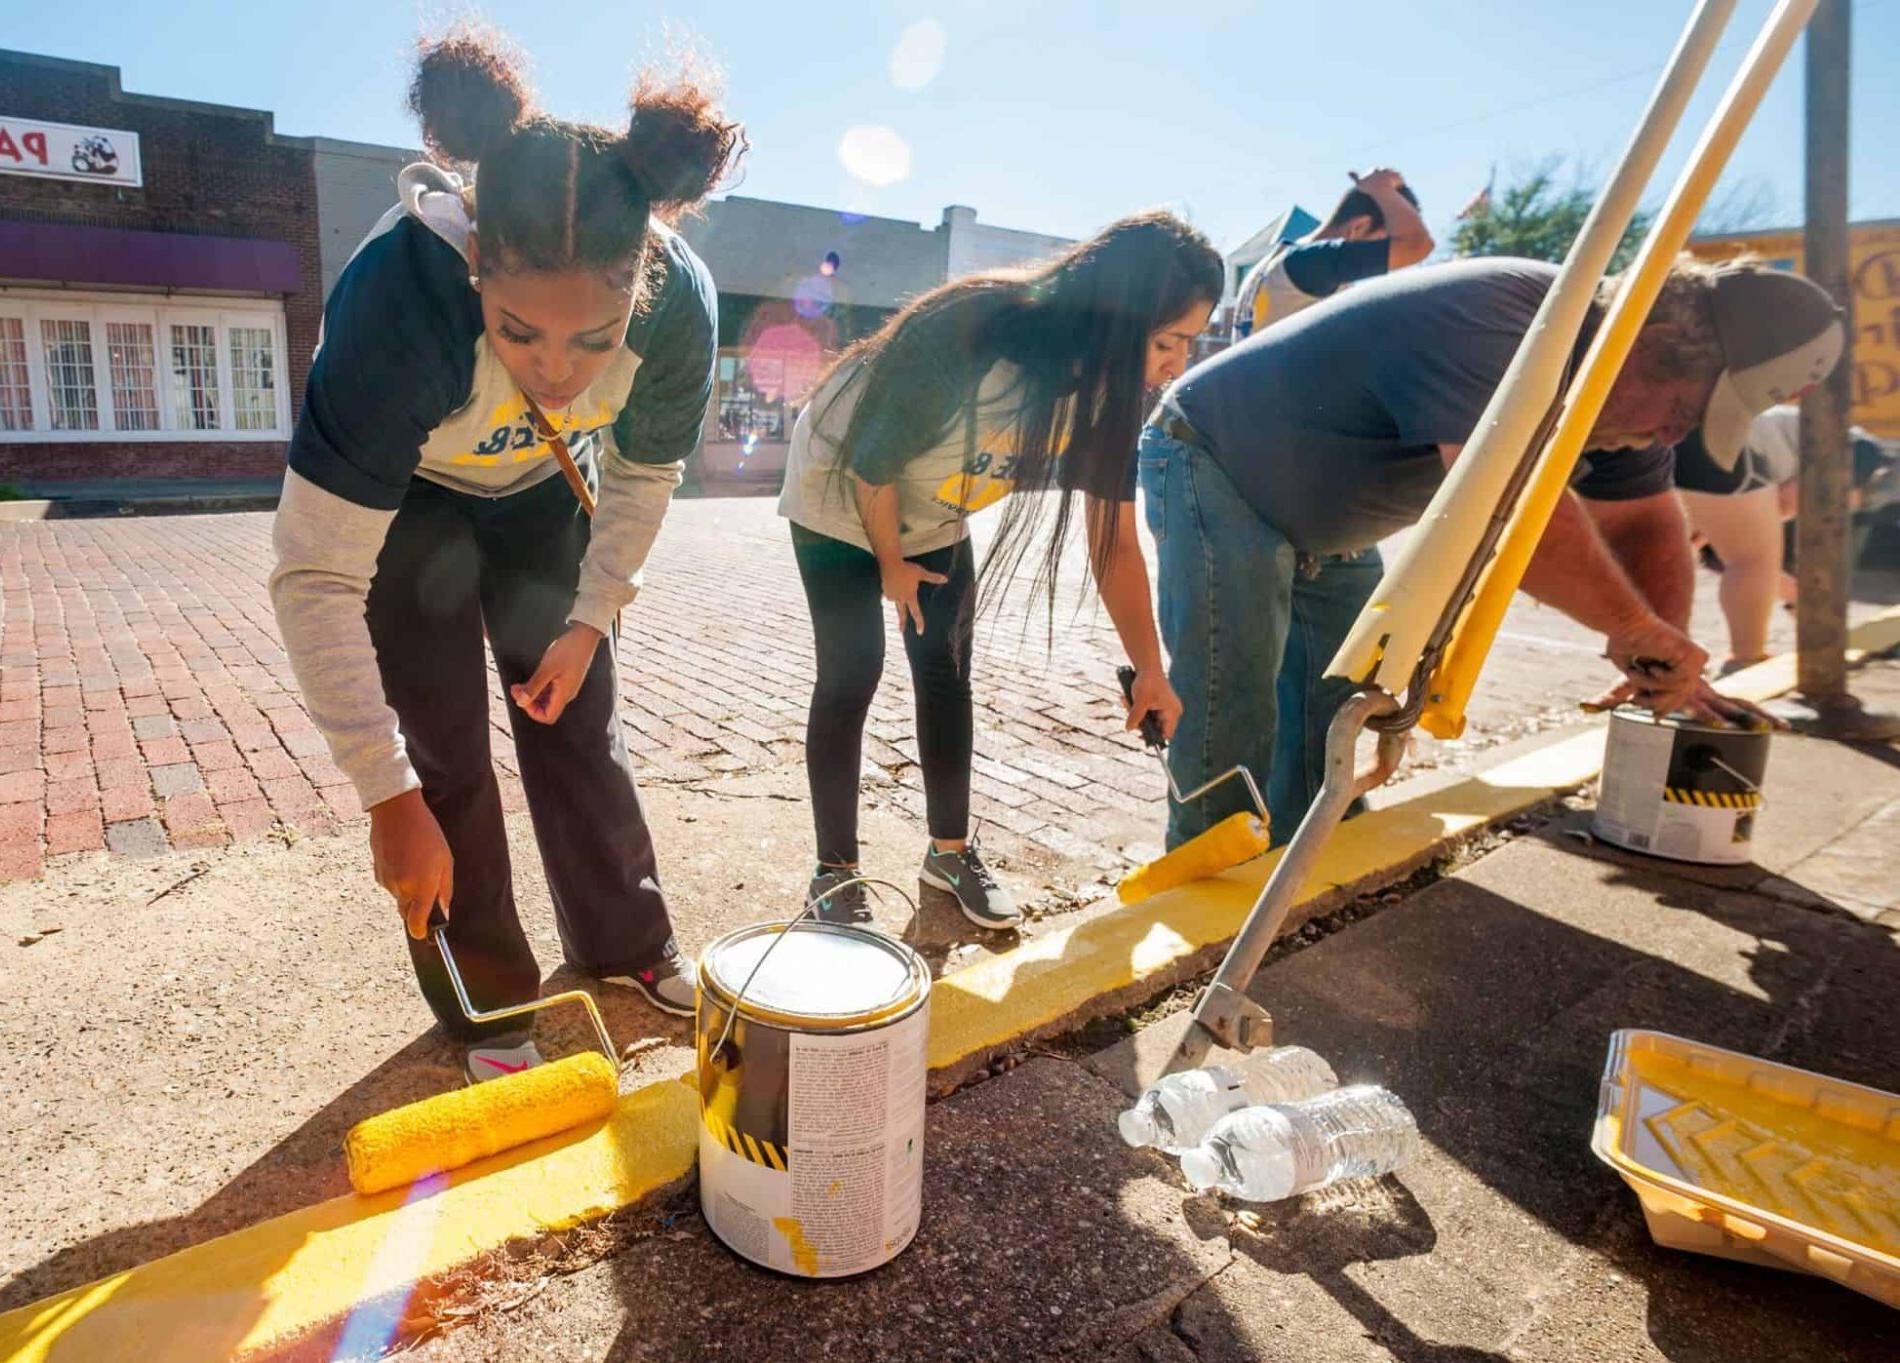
451 1130
1236 838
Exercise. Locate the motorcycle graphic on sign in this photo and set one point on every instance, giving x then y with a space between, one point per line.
95 155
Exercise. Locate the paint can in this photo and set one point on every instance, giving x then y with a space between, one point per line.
813 1054
1679 788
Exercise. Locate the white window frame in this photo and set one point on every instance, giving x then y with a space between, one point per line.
96 309
146 317
36 357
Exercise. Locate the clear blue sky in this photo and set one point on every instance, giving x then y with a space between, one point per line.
1054 115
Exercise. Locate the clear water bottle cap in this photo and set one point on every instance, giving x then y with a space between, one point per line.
1137 1127
1201 1167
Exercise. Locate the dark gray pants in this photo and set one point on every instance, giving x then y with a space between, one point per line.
453 567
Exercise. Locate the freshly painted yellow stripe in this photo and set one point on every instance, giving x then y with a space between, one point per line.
991 1003
260 1289
270 1285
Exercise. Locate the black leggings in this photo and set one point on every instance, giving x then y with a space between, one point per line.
845 593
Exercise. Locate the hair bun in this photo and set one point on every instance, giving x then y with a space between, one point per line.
469 93
680 144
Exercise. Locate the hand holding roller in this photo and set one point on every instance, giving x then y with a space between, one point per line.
1237 838
445 1132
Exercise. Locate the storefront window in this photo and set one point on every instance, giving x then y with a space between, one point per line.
75 367
16 386
134 382
751 398
253 382
71 389
195 376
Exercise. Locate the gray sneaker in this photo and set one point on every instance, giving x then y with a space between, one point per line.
846 904
499 1057
668 983
979 894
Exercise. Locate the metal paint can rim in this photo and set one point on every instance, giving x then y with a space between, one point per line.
761 1004
1637 714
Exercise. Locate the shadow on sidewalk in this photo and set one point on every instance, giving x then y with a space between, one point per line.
305 1169
1492 1019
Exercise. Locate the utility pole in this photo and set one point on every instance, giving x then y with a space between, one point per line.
1825 705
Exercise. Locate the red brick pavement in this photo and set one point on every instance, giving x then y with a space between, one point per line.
146 702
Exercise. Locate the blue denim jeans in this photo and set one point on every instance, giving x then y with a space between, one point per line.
1249 626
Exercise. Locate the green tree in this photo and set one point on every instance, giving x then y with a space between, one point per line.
1538 215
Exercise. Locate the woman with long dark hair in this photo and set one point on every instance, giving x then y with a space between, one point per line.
1025 381
473 336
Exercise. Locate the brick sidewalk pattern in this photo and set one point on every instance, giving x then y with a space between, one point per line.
146 701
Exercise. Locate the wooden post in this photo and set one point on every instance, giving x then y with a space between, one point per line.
1826 465
1825 706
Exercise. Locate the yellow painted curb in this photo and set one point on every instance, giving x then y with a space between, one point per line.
349 1267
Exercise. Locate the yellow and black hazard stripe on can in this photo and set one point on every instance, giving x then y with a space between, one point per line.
1712 799
742 1144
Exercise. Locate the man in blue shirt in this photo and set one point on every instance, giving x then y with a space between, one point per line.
1272 471
1375 229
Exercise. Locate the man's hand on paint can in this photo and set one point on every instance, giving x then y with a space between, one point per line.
1708 705
412 859
1663 665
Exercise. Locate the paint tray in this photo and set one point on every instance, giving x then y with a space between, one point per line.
1750 1160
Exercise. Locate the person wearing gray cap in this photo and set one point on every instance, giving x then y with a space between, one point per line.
1272 471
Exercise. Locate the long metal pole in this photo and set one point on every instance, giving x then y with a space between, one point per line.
1826 466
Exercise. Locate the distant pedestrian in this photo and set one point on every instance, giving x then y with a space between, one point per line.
1374 229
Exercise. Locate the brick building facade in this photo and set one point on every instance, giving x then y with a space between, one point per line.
154 330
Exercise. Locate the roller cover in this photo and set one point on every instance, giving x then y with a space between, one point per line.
453 1129
1236 838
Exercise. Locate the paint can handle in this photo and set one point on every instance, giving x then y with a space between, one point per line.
738 996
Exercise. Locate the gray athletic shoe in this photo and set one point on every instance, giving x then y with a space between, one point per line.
846 905
668 983
979 894
502 1056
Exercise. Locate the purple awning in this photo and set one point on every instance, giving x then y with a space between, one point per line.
153 260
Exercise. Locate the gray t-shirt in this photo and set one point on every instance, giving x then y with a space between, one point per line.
1329 423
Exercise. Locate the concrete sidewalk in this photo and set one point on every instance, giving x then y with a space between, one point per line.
1487 1001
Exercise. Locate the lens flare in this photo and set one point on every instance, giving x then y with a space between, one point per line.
812 296
874 155
918 55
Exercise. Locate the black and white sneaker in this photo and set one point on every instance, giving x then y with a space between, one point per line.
844 902
667 983
979 894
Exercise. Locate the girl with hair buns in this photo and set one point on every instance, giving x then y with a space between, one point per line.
425 507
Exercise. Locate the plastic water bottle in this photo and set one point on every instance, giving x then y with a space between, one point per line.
1179 1110
1263 1154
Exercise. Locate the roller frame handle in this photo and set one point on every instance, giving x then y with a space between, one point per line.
1150 722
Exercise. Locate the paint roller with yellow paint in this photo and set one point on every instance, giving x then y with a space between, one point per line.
1236 838
450 1130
